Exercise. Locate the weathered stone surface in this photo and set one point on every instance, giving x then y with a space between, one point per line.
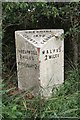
40 60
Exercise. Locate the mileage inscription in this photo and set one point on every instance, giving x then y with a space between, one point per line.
51 53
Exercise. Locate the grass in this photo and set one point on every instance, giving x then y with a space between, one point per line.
63 103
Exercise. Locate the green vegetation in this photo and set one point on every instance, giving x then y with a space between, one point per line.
65 100
63 103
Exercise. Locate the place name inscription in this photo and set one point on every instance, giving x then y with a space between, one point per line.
28 55
45 39
51 53
23 51
27 65
40 31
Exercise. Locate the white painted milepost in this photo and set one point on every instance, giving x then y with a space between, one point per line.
40 60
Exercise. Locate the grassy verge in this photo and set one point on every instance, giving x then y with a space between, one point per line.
63 103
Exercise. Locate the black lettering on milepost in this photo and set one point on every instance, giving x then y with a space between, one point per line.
51 53
43 52
45 57
28 65
28 51
49 56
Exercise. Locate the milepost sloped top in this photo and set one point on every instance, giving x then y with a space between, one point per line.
40 37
